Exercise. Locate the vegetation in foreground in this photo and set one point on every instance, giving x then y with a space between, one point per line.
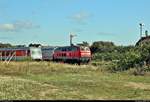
46 80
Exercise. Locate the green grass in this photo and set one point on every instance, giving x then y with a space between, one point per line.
45 80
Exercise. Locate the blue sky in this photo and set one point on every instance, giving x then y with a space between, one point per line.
49 21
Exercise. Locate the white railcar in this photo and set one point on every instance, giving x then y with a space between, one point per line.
36 53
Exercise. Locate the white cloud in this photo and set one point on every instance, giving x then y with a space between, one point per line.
17 26
7 27
106 33
77 30
81 17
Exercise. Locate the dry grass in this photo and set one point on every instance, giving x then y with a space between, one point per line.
47 80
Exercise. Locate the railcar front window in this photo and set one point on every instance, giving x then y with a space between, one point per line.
84 49
87 49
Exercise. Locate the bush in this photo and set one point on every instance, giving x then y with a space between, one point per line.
126 57
129 60
140 70
101 46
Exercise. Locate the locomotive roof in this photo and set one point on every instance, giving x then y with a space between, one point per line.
69 46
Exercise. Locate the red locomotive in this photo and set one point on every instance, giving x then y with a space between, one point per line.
72 54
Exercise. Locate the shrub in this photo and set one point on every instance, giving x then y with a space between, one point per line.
126 57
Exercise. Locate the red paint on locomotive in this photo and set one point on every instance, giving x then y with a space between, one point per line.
72 54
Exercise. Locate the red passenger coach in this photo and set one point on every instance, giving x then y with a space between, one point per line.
14 53
72 54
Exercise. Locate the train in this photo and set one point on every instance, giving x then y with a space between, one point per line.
68 54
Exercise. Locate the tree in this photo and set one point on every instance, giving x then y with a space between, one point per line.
84 43
102 46
34 45
5 45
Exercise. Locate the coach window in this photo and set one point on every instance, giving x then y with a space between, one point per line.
3 53
7 53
